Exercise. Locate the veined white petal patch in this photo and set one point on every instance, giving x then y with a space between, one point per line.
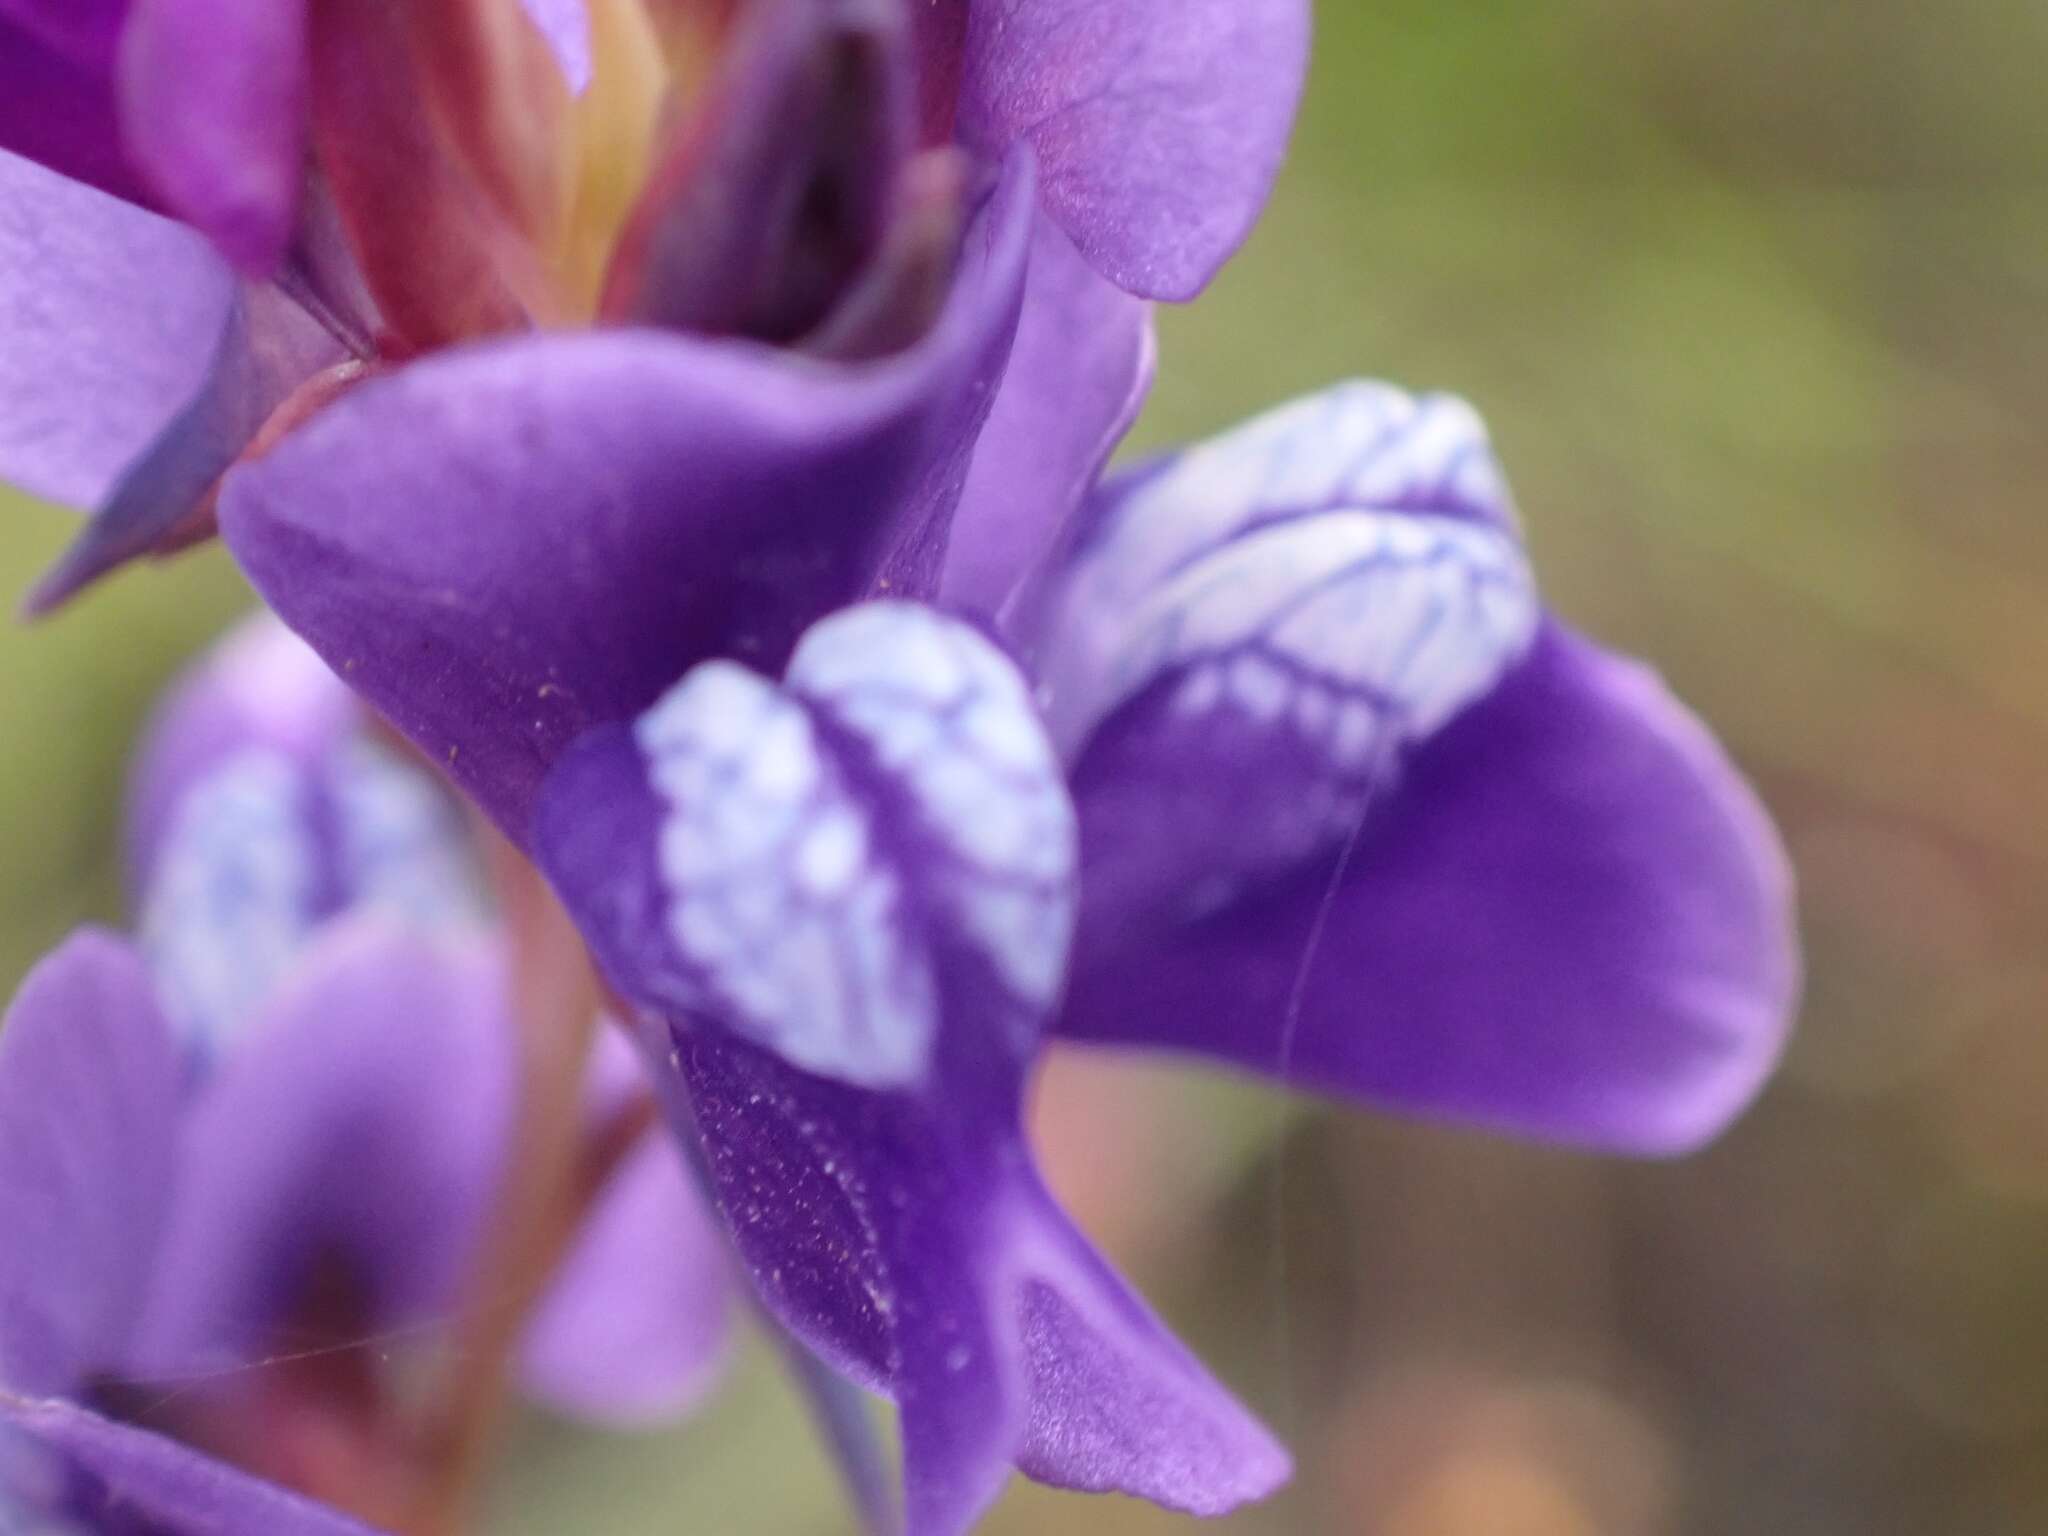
777 898
1346 565
233 896
824 841
950 718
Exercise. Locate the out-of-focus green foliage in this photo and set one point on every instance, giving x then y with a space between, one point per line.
1755 297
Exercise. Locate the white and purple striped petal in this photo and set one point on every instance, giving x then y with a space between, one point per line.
846 903
259 811
1356 813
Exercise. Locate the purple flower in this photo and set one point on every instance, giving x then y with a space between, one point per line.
1303 779
246 1149
480 170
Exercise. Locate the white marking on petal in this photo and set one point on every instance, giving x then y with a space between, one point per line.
232 897
776 900
949 715
1347 563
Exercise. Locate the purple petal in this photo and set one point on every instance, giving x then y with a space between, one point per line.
360 1128
213 101
570 572
1570 918
1118 1405
86 30
1159 124
1079 372
260 810
566 26
728 857
638 1324
1354 815
57 107
267 347
88 1099
854 894
1361 540
137 1480
910 1242
113 316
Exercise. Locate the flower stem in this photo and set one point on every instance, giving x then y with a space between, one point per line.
549 1177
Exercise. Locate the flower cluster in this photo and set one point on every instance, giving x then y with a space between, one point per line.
247 1151
685 424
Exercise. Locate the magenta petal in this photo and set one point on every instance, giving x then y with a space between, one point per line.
135 1480
57 108
638 1324
1570 918
88 1100
85 30
111 320
610 508
361 1125
213 101
1159 124
1078 373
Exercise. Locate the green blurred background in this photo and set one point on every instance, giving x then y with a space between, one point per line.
1755 297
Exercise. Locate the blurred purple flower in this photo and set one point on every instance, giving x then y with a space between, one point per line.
1305 780
479 169
247 1158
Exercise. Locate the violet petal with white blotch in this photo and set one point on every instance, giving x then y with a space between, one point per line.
1355 813
851 895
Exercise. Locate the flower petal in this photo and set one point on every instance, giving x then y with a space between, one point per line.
1079 372
361 1126
260 689
1159 124
112 319
569 573
133 1479
638 1324
729 857
1571 918
86 30
57 103
853 896
213 103
910 1242
266 349
1354 814
88 1099
259 810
